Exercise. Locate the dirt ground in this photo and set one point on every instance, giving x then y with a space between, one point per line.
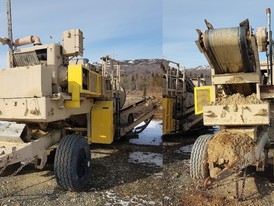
117 181
114 181
258 188
238 99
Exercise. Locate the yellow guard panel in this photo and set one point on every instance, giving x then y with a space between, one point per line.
202 97
74 85
102 129
168 121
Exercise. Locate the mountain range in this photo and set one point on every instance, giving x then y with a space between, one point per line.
148 66
153 66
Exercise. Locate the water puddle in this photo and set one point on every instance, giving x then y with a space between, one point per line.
152 135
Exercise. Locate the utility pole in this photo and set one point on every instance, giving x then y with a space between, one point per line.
10 33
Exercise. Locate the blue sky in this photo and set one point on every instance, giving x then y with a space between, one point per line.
181 18
126 29
130 29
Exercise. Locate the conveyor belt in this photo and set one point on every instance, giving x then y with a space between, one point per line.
135 104
229 50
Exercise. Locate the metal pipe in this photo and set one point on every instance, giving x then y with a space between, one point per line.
11 49
27 40
269 51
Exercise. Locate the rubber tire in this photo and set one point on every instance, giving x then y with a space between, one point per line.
72 163
198 159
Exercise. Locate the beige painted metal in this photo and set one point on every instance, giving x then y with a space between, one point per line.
237 115
237 78
37 96
234 59
261 37
34 90
34 81
35 40
11 153
43 109
53 52
73 42
49 58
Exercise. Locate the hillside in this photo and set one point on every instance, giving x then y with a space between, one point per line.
146 66
146 75
141 66
143 75
199 71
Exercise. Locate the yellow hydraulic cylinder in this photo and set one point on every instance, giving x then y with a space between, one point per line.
74 85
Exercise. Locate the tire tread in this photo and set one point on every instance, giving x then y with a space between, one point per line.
198 157
62 162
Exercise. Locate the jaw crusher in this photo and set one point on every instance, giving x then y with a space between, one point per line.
240 101
51 99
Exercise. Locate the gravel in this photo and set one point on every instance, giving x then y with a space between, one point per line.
116 180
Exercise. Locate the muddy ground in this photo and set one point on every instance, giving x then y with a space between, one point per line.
124 174
117 181
114 181
258 188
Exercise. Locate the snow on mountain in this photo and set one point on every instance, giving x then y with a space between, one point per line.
146 66
203 70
